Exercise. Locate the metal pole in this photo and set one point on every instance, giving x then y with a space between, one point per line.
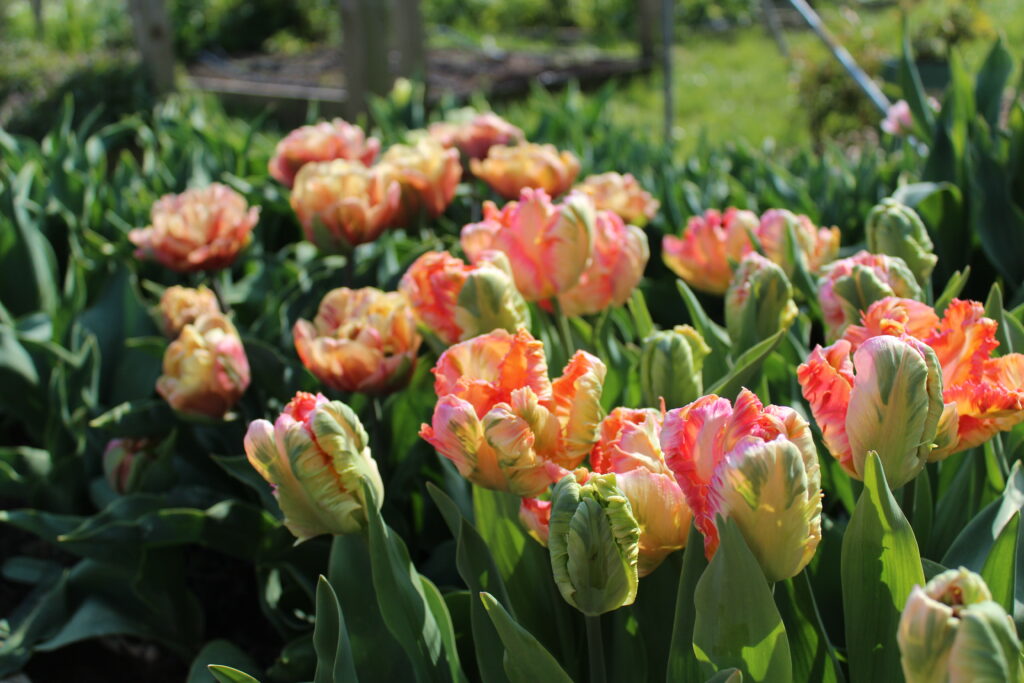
666 65
840 53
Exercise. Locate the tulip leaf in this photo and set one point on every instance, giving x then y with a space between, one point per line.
746 367
683 666
406 609
881 563
737 623
525 660
814 658
976 539
334 662
227 674
727 676
222 651
477 568
1000 569
641 316
716 364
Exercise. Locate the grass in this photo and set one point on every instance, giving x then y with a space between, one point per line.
737 86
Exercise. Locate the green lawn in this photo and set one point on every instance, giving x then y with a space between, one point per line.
738 86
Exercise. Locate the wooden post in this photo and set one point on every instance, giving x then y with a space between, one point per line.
153 35
647 33
37 14
771 19
364 52
410 41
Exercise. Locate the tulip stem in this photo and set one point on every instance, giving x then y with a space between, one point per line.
563 328
595 648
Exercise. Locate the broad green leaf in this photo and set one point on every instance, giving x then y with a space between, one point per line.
221 652
1000 569
973 545
641 316
911 86
953 287
477 568
525 660
716 364
334 662
403 604
226 674
682 663
737 624
435 601
881 564
814 659
991 80
745 367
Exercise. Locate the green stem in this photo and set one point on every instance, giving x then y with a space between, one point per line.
595 649
564 333
350 269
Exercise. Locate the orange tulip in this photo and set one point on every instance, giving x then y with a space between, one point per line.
817 246
848 286
361 340
548 245
429 175
710 245
205 368
180 306
503 423
621 194
436 286
983 395
510 170
325 141
754 464
617 263
629 446
475 133
341 204
201 229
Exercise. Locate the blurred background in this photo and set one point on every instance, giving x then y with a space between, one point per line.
732 78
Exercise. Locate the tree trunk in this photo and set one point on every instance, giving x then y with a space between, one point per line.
151 26
647 31
364 28
410 41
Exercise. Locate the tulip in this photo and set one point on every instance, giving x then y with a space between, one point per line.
754 464
503 423
629 446
202 229
617 263
888 400
897 230
125 461
180 306
898 119
205 370
594 544
816 246
361 340
983 395
951 631
325 141
458 301
511 169
316 457
535 516
711 243
429 175
474 133
621 194
759 302
670 366
341 204
848 286
548 245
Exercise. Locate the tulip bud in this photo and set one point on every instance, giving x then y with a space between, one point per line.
205 369
951 631
889 400
759 302
125 461
594 544
489 299
850 285
316 456
895 229
670 366
180 306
